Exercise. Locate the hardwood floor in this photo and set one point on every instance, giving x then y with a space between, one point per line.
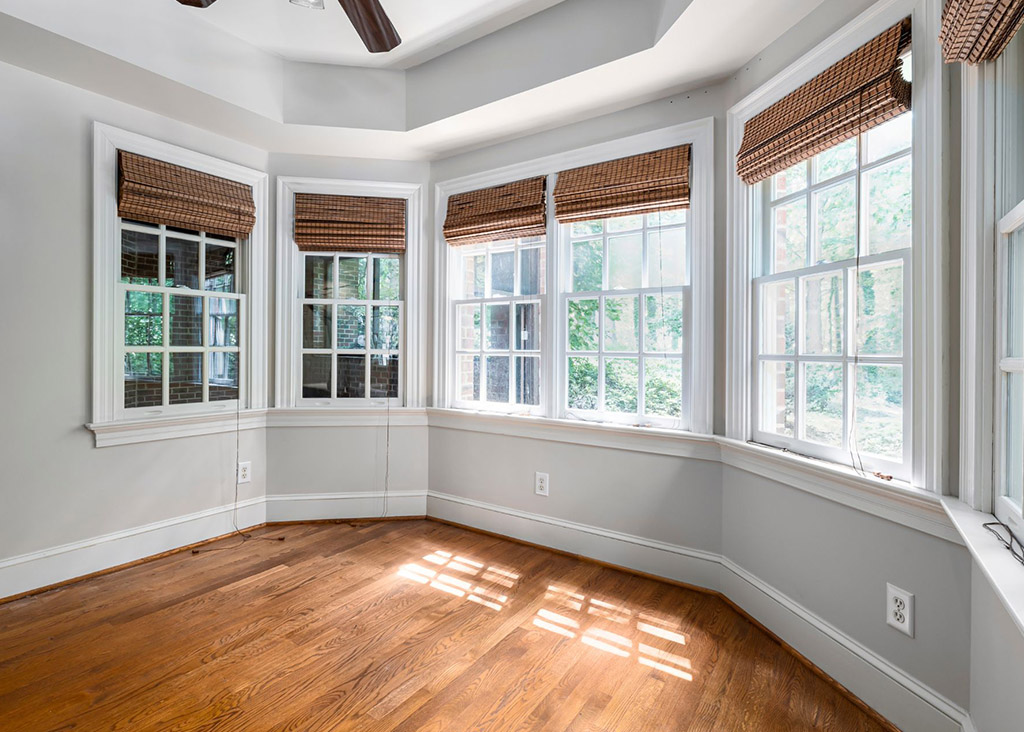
400 626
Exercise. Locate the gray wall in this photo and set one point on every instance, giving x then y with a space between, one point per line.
997 661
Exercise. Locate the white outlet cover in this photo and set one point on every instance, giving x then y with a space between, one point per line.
541 484
245 472
899 609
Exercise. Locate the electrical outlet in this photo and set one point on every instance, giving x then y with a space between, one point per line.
245 472
899 609
540 484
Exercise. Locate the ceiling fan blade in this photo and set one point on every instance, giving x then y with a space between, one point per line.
197 3
372 24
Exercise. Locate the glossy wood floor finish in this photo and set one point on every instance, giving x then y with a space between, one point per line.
407 626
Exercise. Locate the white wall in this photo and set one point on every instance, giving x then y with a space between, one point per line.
997 661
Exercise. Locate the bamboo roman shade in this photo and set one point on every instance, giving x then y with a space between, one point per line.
511 211
162 193
349 223
859 92
647 183
979 30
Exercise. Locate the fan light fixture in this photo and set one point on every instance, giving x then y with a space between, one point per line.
311 4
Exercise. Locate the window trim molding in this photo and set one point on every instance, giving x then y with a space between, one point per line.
287 370
928 302
107 140
700 134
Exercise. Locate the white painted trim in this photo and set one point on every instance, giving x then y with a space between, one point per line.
129 432
327 506
286 382
58 564
700 134
107 141
320 417
897 695
928 291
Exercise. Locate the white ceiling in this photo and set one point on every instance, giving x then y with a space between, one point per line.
427 27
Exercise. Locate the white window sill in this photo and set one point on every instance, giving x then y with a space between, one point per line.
1003 572
133 431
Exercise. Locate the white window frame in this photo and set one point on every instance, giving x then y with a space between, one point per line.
108 413
699 134
290 293
489 249
925 341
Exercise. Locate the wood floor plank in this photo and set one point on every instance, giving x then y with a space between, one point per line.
397 627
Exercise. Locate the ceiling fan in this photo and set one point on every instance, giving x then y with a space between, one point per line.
367 16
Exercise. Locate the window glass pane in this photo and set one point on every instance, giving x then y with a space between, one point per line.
822 316
316 376
351 327
778 397
469 378
587 228
836 160
385 328
320 277
186 378
316 326
352 278
625 261
387 278
583 392
223 321
621 324
140 258
528 326
531 271
186 327
223 376
663 387
1014 286
469 327
583 325
351 377
587 265
528 380
182 263
888 138
143 319
497 327
880 310
789 181
384 376
143 380
621 385
1013 437
778 317
666 218
220 268
497 379
823 403
666 258
789 235
474 271
503 266
663 324
835 231
888 207
625 223
878 412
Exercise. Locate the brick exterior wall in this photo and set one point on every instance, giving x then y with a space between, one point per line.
140 258
384 377
182 263
186 326
351 377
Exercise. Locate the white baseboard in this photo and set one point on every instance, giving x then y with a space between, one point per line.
899 697
58 564
324 506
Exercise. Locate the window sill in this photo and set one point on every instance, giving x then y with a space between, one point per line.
1003 572
361 416
133 431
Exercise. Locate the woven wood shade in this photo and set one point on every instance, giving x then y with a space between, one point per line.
859 92
161 193
641 184
510 211
979 30
349 223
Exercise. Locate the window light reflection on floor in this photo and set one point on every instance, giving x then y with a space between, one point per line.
463 577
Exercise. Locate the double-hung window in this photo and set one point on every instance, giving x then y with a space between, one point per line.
497 302
831 306
625 306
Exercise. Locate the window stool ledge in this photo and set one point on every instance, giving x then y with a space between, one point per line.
132 431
